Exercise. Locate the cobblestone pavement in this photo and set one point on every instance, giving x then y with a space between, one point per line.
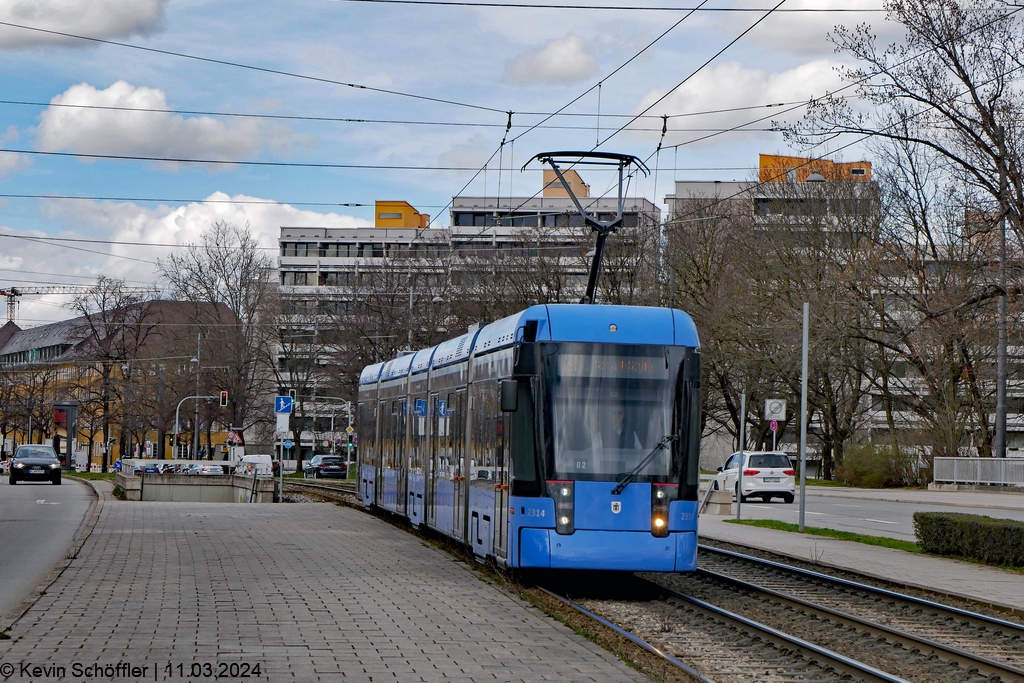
311 592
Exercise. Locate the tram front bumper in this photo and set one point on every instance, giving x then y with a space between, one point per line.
608 550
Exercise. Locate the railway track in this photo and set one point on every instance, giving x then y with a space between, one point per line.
711 644
992 646
341 490
742 618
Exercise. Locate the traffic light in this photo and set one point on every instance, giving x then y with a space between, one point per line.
223 399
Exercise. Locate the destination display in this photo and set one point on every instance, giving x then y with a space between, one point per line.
590 365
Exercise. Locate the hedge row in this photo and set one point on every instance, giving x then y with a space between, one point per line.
996 541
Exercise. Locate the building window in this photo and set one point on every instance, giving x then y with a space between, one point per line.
368 250
335 279
295 249
389 216
858 171
339 250
299 279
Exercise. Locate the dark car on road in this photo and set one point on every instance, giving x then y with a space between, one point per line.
34 463
324 466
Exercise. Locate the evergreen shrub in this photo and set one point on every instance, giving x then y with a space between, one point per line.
978 537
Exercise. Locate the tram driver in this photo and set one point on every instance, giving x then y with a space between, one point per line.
616 431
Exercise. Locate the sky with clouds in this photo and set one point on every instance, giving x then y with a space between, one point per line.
269 86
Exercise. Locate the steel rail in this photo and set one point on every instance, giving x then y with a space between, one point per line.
809 651
639 641
985 665
974 617
321 490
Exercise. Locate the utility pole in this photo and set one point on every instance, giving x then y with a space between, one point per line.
999 446
743 448
803 418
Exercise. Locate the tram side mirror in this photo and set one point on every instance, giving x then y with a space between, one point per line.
509 395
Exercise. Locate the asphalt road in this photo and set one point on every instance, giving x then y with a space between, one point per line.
37 524
872 517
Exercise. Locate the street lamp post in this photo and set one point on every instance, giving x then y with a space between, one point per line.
126 373
195 425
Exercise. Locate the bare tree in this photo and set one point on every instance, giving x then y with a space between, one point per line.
226 276
118 322
951 86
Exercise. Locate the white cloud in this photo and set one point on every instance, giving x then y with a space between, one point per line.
732 85
92 18
805 33
10 162
136 226
147 133
561 61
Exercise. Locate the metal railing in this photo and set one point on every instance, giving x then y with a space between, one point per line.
1007 471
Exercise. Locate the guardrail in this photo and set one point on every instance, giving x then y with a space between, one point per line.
1006 471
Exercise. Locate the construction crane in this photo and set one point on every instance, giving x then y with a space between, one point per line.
12 294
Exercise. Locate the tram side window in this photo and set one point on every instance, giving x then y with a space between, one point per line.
398 434
485 437
367 433
456 432
526 481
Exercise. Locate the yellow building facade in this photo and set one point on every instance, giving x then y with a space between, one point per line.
775 168
398 214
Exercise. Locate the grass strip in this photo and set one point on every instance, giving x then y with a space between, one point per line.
92 475
882 541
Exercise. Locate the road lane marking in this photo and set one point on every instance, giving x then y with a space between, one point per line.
815 513
840 505
43 502
880 521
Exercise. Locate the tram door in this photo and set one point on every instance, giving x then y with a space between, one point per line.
402 415
501 453
432 462
457 441
381 457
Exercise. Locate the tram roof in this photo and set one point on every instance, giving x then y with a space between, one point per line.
371 373
399 367
421 361
454 350
593 323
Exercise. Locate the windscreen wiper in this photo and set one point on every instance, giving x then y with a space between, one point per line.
624 482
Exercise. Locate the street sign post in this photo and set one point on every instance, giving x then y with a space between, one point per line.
774 426
775 409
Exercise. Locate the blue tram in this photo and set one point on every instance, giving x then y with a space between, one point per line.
561 437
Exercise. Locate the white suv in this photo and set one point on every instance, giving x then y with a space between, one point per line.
766 475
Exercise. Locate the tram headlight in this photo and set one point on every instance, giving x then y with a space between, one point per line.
563 492
661 496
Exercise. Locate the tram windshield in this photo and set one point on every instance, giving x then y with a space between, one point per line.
610 406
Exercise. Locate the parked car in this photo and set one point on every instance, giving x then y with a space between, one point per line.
260 464
766 475
34 463
325 466
209 469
